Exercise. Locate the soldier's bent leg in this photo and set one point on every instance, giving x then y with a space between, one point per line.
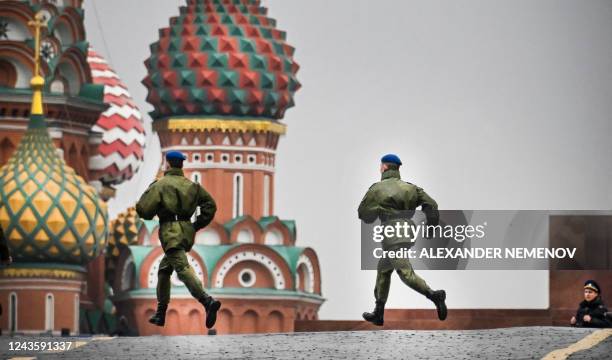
381 292
383 280
410 278
163 281
180 264
185 272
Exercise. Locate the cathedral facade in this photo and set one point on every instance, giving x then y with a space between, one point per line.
220 78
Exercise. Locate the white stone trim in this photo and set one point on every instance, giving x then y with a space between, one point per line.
187 165
49 312
10 313
240 256
219 148
174 280
77 314
235 296
237 195
310 279
251 273
198 175
266 195
124 269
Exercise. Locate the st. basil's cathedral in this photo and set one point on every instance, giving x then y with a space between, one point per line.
220 78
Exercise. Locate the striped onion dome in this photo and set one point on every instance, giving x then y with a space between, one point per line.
121 152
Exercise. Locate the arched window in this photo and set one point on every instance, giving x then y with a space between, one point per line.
245 236
13 312
58 86
70 75
63 33
49 312
196 177
77 308
238 195
273 237
9 74
266 195
128 280
208 237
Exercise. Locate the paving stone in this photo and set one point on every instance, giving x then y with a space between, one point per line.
508 343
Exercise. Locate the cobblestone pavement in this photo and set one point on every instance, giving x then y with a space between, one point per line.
603 350
508 343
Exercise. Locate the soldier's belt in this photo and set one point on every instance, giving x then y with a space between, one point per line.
173 218
404 215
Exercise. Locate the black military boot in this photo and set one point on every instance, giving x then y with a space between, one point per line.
438 297
159 318
212 306
376 317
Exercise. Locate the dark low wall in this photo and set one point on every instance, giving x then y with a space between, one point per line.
421 319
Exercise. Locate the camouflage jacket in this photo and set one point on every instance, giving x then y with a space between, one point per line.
174 199
392 199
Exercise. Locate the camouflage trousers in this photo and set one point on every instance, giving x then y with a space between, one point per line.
406 273
176 260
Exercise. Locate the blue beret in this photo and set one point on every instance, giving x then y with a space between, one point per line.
175 155
391 158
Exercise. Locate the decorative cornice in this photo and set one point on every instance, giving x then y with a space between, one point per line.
34 273
195 124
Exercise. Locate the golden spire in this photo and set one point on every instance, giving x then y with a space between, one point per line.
37 81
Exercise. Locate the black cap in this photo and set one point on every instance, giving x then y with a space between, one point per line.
593 285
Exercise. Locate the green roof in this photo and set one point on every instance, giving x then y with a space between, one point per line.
230 224
210 254
91 94
139 253
290 254
151 292
149 224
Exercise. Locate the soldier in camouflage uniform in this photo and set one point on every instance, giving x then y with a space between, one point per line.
174 199
393 200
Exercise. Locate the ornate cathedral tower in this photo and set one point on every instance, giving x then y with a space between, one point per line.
220 77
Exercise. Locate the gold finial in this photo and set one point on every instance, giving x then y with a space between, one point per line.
37 81
38 23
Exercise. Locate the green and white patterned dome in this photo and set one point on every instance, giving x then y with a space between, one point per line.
221 57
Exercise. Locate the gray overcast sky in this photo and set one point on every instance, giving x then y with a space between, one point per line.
490 105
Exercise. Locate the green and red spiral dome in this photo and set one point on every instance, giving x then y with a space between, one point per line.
221 57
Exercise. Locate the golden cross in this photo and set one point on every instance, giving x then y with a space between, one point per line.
37 23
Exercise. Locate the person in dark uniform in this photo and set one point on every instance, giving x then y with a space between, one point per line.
591 311
174 199
5 254
390 200
5 257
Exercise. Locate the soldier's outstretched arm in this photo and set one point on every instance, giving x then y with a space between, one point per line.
368 208
149 202
208 208
429 207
